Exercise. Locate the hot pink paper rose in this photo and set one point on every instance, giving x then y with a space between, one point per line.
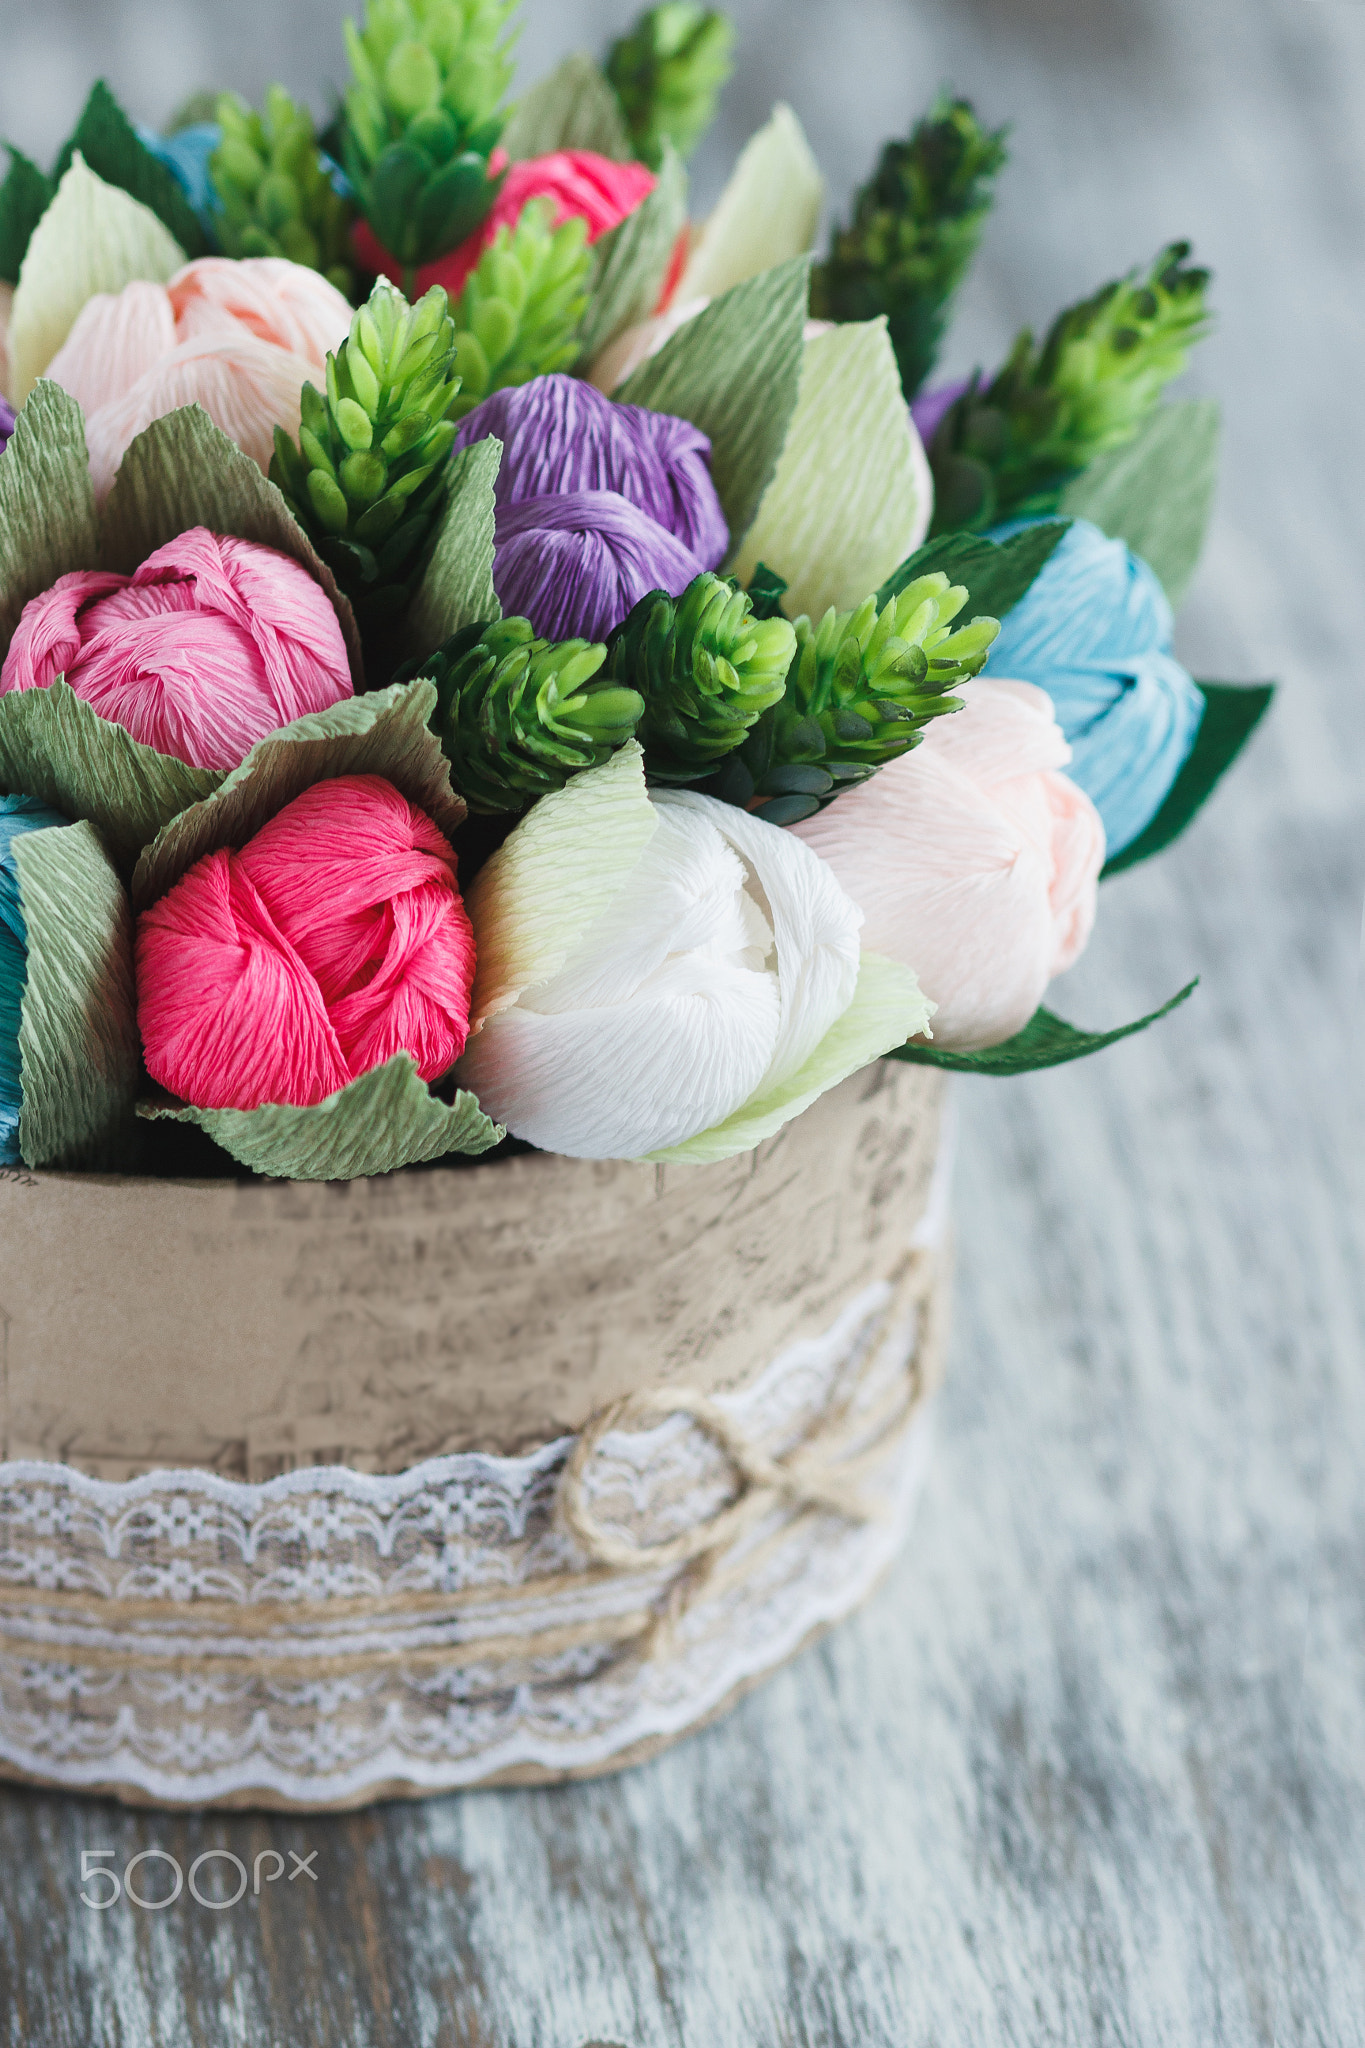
212 644
240 339
974 861
578 181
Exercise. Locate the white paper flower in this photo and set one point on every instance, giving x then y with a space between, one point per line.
662 976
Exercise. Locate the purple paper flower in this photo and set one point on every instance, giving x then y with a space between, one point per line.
6 423
574 562
928 409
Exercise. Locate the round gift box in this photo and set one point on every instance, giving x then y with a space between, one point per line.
500 1473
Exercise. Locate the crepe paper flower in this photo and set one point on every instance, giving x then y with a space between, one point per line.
367 479
651 968
517 716
706 670
1007 446
186 154
574 564
421 122
1094 631
573 184
334 939
915 229
239 339
210 645
974 860
520 312
859 694
18 814
667 72
273 188
559 434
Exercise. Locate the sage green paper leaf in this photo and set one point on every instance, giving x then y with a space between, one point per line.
79 1052
1045 1041
1232 711
996 573
735 372
852 489
47 507
1156 494
631 263
93 238
386 1120
768 212
112 147
574 108
383 733
183 471
457 586
54 747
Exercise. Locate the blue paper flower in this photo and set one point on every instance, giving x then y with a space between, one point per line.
1094 631
186 154
17 814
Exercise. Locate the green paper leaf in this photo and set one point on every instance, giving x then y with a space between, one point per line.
767 214
735 372
886 1002
1157 492
851 490
24 198
457 585
386 1120
996 573
93 238
115 152
47 507
1045 1041
1232 711
383 733
54 747
631 263
574 108
79 1051
183 471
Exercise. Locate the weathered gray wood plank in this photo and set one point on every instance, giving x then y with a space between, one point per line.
1089 1768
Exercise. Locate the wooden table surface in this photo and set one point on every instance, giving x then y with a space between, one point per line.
1088 1769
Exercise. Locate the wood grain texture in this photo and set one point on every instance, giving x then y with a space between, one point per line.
1087 1771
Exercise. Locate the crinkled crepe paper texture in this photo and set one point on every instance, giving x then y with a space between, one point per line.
115 152
735 372
1157 492
630 262
48 522
852 494
1232 711
457 585
574 108
996 574
769 211
93 238
79 1052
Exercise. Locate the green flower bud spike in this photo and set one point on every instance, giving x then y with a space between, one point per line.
368 476
861 690
1007 448
275 193
915 229
518 716
707 670
668 70
421 119
519 312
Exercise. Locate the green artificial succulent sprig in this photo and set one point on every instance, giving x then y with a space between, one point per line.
368 476
668 71
518 716
860 690
420 119
706 668
1007 448
519 312
275 191
915 228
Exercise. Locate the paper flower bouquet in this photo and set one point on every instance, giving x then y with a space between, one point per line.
496 671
